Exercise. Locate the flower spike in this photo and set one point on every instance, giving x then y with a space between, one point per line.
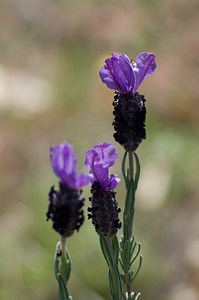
104 211
120 74
65 208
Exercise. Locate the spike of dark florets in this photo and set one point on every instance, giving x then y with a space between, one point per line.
129 122
65 209
104 211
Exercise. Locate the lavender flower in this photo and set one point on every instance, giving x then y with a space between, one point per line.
98 161
65 208
119 74
104 211
129 106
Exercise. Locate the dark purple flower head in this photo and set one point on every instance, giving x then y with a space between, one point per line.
119 74
98 161
63 160
65 209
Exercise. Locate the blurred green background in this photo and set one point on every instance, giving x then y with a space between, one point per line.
50 91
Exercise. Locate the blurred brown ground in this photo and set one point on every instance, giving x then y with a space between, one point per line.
50 54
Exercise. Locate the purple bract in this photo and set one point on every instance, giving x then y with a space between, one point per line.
63 160
98 161
120 74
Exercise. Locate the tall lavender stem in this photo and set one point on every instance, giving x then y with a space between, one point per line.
129 249
123 76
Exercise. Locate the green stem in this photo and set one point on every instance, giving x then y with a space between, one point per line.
131 202
128 246
130 164
62 267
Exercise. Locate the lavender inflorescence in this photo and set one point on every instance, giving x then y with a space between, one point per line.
65 209
129 121
104 211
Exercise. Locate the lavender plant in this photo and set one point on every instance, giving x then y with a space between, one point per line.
65 209
104 209
66 204
120 74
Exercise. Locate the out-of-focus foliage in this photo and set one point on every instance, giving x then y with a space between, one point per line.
50 91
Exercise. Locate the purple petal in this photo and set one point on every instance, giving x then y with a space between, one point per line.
113 182
123 74
110 155
104 154
98 160
115 55
63 160
101 175
117 73
89 162
127 69
144 66
94 163
81 180
107 73
107 78
107 154
69 179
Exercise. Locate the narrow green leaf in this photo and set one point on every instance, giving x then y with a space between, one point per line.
116 249
106 250
137 173
121 263
57 261
63 293
119 283
139 267
133 249
137 253
131 245
68 265
110 282
123 169
132 197
128 174
129 197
